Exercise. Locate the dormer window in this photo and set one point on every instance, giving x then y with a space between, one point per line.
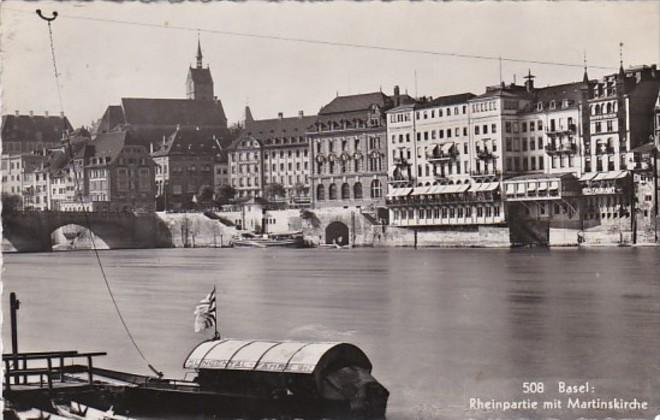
553 104
539 106
565 103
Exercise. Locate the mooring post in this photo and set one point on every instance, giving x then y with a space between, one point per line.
14 305
50 373
90 373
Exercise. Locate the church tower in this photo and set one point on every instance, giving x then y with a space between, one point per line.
199 84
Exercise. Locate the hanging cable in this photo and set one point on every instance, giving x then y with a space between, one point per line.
326 42
78 192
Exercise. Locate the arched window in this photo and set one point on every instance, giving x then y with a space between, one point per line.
357 190
332 192
597 110
609 108
376 189
320 192
345 192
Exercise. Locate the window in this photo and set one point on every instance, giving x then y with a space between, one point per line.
332 192
376 189
507 126
485 129
357 190
493 128
476 129
320 192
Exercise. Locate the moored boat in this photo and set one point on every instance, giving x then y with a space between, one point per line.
283 240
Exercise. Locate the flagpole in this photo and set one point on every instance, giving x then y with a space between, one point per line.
215 324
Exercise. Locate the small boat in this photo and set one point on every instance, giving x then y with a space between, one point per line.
37 414
282 240
76 410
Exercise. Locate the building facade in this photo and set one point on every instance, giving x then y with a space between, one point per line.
348 151
273 152
184 163
32 133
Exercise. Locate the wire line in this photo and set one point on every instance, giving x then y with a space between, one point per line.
78 192
326 42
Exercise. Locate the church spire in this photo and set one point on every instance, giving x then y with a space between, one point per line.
199 52
621 72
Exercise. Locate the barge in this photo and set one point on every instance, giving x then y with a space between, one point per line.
234 379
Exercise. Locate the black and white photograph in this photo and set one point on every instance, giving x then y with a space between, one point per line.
402 210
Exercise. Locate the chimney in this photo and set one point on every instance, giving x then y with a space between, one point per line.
397 100
280 115
301 114
32 113
18 113
46 113
529 81
151 148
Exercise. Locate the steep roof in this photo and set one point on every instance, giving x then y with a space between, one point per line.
557 93
279 127
151 111
447 100
34 128
189 142
201 75
360 102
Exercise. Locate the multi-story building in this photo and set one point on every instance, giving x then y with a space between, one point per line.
18 176
279 149
185 162
348 151
32 133
114 172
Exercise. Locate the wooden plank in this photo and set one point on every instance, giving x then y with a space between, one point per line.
39 353
45 356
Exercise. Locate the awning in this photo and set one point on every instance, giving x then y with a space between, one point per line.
510 188
588 176
273 356
445 148
543 186
489 186
458 188
520 188
399 192
531 187
554 185
421 190
604 176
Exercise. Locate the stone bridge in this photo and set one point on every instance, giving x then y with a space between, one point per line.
30 231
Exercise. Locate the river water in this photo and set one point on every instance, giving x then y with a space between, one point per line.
440 325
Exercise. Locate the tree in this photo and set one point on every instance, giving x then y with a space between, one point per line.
224 194
205 195
274 190
11 203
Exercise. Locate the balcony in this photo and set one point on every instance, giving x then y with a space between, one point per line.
485 174
442 153
553 149
561 130
401 162
484 154
604 150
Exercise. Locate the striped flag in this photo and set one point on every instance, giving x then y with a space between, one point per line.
205 312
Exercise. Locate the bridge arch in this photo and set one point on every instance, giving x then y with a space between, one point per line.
337 233
75 236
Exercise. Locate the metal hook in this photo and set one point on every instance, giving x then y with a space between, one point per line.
47 19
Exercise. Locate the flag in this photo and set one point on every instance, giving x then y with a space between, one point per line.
205 312
194 198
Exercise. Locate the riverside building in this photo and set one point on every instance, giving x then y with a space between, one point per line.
348 151
272 152
550 157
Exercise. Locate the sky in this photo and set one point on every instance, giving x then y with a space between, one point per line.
100 62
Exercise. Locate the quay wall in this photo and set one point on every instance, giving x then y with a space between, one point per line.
447 237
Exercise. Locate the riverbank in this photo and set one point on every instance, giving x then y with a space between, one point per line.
324 226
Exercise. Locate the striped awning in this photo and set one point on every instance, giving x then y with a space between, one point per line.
588 176
421 190
604 176
485 186
554 185
399 192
